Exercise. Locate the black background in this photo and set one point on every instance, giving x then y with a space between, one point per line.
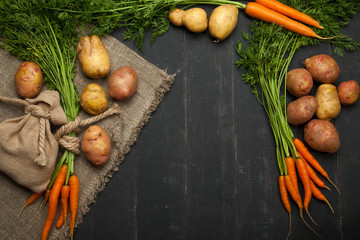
204 167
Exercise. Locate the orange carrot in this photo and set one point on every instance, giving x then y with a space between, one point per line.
74 199
64 203
291 169
317 193
47 195
303 150
313 175
284 194
305 179
260 12
33 197
290 12
293 193
53 201
285 200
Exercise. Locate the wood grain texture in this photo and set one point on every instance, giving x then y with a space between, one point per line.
204 167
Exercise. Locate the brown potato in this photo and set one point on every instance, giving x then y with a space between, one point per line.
329 105
122 83
223 21
195 20
28 80
323 68
321 135
299 82
175 17
93 57
93 99
96 145
301 110
348 92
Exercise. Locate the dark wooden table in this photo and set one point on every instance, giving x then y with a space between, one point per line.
204 167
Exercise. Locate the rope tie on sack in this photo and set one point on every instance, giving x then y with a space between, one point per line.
72 144
37 111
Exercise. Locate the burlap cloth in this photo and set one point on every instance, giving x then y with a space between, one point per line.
123 130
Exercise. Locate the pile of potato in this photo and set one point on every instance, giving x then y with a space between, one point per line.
122 84
316 112
222 22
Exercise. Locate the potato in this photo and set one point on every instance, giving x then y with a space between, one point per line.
28 80
122 83
323 68
175 17
195 20
348 92
321 135
301 110
329 105
299 82
223 21
93 57
93 99
96 145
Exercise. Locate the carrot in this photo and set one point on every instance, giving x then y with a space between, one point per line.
33 197
291 169
293 193
296 197
284 194
74 199
317 193
53 201
313 175
47 195
304 151
64 203
290 12
305 179
260 12
285 200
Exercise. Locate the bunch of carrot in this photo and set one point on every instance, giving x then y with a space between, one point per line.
273 11
63 186
302 165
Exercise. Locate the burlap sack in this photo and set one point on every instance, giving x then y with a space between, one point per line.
28 149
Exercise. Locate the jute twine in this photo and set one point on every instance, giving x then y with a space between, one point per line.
69 143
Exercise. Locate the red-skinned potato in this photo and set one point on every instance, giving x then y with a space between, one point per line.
299 82
323 68
122 83
28 80
96 145
348 92
301 110
321 135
